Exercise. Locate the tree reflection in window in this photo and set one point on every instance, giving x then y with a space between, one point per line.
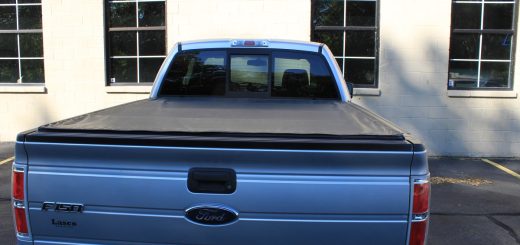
481 45
350 30
136 40
21 42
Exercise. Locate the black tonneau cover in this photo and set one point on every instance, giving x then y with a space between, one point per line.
231 123
188 115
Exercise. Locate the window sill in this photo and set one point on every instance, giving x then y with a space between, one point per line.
367 92
482 94
131 89
22 88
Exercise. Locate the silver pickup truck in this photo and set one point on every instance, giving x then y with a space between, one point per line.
240 142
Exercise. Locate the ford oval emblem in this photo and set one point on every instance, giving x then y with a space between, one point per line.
211 215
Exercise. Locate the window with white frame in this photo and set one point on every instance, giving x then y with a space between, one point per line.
136 40
21 42
482 44
350 30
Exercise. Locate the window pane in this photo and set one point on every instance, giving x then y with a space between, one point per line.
30 17
333 39
466 15
7 1
122 15
360 72
494 74
361 13
302 75
152 43
464 46
8 71
360 43
32 71
8 45
31 45
148 68
283 64
249 73
463 74
498 16
151 14
7 18
196 73
123 43
496 46
123 70
29 1
328 13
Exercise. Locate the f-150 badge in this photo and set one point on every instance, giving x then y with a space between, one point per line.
62 207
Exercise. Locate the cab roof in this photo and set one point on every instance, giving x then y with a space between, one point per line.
251 43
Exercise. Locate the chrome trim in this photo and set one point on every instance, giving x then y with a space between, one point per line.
420 217
421 181
227 149
22 234
213 206
324 220
81 210
18 204
421 152
36 172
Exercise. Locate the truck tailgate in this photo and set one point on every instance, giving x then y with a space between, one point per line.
139 194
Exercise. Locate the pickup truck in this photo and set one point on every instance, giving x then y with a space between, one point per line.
240 142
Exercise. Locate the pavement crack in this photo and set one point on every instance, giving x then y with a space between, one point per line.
504 226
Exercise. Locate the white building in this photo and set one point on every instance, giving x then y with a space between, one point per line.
61 58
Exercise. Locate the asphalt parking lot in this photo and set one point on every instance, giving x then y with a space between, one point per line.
6 219
473 202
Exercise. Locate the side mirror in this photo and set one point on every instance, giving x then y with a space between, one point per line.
350 87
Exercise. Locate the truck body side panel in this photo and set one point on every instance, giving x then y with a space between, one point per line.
140 194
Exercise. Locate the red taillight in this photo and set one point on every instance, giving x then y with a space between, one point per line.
421 198
18 185
249 43
21 220
420 212
418 233
18 201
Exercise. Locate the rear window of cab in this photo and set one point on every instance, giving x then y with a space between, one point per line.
284 74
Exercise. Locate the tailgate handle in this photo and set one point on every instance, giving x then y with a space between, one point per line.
212 180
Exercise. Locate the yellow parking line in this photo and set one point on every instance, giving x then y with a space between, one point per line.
509 171
6 160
